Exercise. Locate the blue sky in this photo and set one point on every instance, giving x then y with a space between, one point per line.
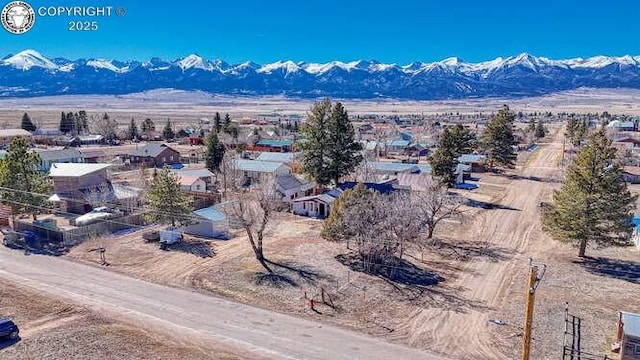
399 31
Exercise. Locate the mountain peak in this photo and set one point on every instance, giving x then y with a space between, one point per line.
27 59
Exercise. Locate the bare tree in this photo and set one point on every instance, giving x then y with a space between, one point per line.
438 204
99 195
253 210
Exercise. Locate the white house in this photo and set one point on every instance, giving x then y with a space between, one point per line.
292 187
317 206
286 158
193 184
200 180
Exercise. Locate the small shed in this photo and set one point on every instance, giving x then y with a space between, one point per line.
317 206
211 223
631 174
629 335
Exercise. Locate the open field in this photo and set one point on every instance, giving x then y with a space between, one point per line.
56 329
189 107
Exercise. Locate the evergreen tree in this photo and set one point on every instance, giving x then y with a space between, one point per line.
133 130
295 126
227 121
532 125
316 140
167 131
214 152
27 124
166 202
22 186
498 139
540 130
66 123
330 150
82 122
453 142
147 127
344 149
593 205
217 122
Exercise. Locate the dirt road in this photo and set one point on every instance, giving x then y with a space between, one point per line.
195 318
509 228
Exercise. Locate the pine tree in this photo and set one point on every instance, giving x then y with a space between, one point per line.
214 153
540 131
315 145
133 130
498 139
330 150
27 124
227 122
217 122
344 150
22 186
453 142
66 123
167 131
165 200
147 127
593 205
532 125
83 122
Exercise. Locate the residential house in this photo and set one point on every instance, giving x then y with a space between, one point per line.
629 335
61 155
391 168
317 206
417 150
397 146
369 146
292 187
406 135
478 163
91 139
93 155
209 223
7 134
200 180
366 128
287 158
154 155
255 170
384 187
273 145
75 183
622 125
192 184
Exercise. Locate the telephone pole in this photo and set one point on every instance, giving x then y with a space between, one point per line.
532 285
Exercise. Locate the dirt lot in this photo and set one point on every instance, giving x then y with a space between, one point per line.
53 329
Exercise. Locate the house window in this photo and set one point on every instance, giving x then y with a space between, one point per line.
304 205
164 159
171 158
198 187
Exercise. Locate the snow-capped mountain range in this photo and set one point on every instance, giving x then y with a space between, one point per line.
29 73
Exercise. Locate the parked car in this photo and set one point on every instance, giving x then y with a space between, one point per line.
8 329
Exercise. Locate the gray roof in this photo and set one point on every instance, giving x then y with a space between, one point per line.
200 173
150 149
92 152
472 158
631 323
398 143
257 166
75 170
277 157
288 182
14 132
393 166
325 198
58 154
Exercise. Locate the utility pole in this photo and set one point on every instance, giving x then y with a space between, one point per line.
532 284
